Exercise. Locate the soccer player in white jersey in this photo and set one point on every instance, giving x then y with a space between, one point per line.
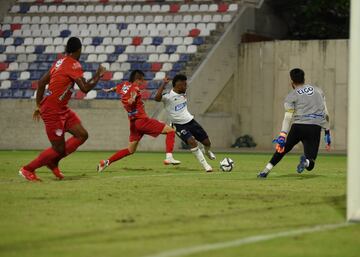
306 106
184 123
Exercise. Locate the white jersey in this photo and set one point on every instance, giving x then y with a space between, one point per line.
176 106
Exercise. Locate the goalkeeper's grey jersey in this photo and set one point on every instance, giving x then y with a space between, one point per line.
308 104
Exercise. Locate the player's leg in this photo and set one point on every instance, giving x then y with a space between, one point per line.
201 136
134 139
44 158
80 135
292 139
118 155
186 136
311 142
54 125
169 142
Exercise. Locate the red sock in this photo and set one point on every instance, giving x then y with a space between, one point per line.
44 158
170 141
119 155
70 146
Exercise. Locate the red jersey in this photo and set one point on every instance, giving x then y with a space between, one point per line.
136 109
62 75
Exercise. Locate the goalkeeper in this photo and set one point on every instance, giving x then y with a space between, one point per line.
306 106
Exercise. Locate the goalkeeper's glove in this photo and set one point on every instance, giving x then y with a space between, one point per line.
280 142
327 139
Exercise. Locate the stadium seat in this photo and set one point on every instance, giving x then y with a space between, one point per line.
5 84
167 66
3 66
156 66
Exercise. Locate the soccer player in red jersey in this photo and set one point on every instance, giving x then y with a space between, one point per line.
55 113
140 123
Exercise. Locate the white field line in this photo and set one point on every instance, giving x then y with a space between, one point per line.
247 240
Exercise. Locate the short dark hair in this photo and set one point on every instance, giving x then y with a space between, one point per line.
72 45
134 74
178 77
297 76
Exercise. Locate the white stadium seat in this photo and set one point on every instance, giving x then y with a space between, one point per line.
6 84
159 75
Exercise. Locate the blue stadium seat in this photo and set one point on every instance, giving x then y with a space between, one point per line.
39 49
44 66
153 84
119 49
6 33
35 75
11 57
136 66
24 8
122 26
112 57
100 85
41 57
132 58
126 76
33 66
170 49
184 58
178 66
112 95
149 75
18 41
65 33
198 41
2 48
101 94
28 93
171 74
5 93
83 57
25 84
110 84
146 66
14 75
17 93
97 41
16 84
157 41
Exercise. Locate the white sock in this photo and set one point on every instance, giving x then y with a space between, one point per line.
169 155
200 156
207 148
268 167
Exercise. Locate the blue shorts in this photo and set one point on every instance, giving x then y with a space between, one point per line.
190 129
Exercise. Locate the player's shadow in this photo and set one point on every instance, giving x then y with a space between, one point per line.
300 176
338 202
74 177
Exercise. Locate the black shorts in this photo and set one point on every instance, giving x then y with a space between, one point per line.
190 129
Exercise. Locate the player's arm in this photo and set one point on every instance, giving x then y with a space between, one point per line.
86 86
45 79
281 139
160 90
327 137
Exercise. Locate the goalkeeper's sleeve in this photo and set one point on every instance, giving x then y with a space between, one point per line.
287 121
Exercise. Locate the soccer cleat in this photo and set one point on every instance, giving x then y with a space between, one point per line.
102 165
262 174
57 173
302 165
31 176
172 161
210 155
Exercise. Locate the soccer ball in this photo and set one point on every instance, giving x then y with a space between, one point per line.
227 164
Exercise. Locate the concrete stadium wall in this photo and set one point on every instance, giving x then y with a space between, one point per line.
105 120
264 82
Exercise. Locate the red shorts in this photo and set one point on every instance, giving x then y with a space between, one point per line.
146 126
57 122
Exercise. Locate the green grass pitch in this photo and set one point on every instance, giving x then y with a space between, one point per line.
139 207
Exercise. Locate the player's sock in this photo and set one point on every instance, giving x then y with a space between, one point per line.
119 155
200 156
72 144
170 141
268 168
44 158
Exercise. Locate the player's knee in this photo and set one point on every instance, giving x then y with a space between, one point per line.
192 142
132 150
83 136
60 149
